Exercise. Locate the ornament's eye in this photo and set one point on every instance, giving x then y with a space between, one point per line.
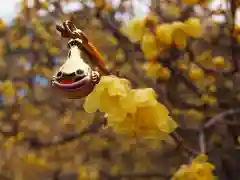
79 72
79 75
59 74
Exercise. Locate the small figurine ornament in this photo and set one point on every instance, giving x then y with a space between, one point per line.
76 79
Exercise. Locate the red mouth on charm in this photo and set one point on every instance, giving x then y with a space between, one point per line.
66 81
74 87
71 82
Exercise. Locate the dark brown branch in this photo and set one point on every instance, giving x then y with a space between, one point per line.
185 80
233 7
181 145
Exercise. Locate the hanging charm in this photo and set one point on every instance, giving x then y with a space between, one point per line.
76 79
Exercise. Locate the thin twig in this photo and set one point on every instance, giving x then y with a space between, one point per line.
202 142
220 117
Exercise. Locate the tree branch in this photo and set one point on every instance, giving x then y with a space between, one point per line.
219 117
181 145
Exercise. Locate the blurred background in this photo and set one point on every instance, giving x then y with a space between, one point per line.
47 136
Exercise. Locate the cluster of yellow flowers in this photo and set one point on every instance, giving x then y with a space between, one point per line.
155 70
156 38
199 169
134 112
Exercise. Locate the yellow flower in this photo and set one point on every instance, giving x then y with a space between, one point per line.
150 120
152 69
164 33
179 36
111 96
135 30
156 71
145 97
193 114
164 74
149 45
199 169
192 27
219 62
134 112
196 73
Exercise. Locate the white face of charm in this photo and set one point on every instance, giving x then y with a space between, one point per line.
76 66
75 62
75 78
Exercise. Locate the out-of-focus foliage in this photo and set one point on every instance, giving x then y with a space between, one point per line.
174 115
